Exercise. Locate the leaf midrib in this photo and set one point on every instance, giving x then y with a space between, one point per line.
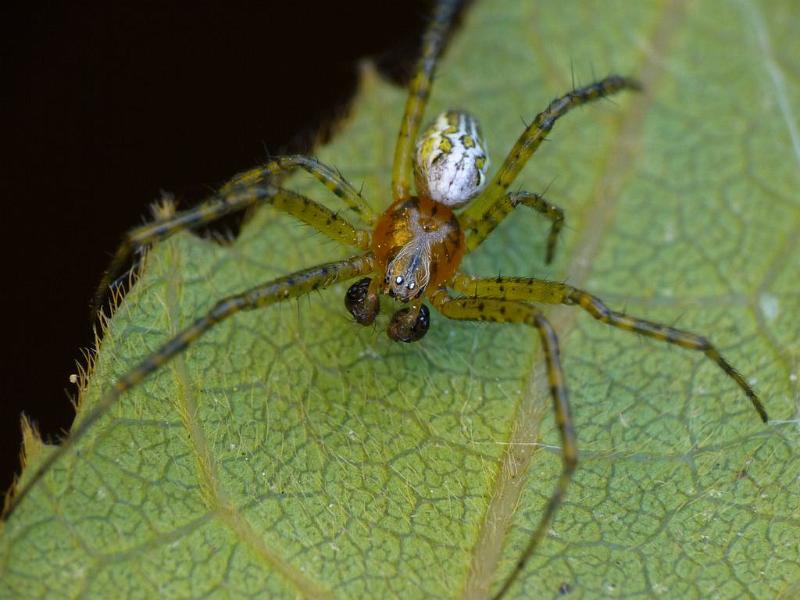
615 170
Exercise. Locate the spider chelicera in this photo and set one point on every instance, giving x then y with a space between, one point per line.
413 251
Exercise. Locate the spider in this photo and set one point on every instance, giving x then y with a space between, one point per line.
413 250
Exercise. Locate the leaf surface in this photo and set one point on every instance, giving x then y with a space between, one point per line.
292 453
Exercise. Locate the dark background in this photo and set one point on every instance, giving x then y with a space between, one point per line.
104 105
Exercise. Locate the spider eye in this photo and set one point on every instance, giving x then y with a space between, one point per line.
399 280
451 160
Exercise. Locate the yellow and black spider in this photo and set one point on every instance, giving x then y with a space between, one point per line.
413 251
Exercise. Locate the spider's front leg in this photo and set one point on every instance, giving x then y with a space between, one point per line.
508 311
535 134
328 176
479 227
418 93
552 292
248 189
267 294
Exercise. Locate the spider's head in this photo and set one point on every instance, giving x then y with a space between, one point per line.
408 273
417 243
406 325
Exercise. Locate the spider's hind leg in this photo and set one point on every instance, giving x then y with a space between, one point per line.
509 311
245 191
664 333
267 294
535 134
480 226
551 292
419 90
330 177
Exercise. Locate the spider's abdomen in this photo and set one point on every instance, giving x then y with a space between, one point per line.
417 242
451 160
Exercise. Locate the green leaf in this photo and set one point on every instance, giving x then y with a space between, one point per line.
292 453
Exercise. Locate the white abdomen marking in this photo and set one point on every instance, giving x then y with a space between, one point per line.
451 159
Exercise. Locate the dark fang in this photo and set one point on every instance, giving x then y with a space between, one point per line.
402 330
358 302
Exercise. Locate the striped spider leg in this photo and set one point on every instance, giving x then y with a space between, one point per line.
451 164
419 90
252 188
508 300
413 251
245 190
487 211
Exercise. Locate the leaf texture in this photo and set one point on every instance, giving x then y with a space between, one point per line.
291 453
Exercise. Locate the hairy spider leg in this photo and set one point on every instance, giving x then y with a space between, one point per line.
306 210
552 292
419 90
330 177
310 212
504 299
266 294
243 191
535 134
510 311
479 229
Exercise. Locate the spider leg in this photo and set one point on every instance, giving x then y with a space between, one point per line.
418 93
235 199
329 177
482 225
551 292
535 134
509 311
272 292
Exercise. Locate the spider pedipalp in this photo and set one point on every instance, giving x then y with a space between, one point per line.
409 324
361 303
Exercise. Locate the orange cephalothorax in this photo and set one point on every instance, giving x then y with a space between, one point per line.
417 243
